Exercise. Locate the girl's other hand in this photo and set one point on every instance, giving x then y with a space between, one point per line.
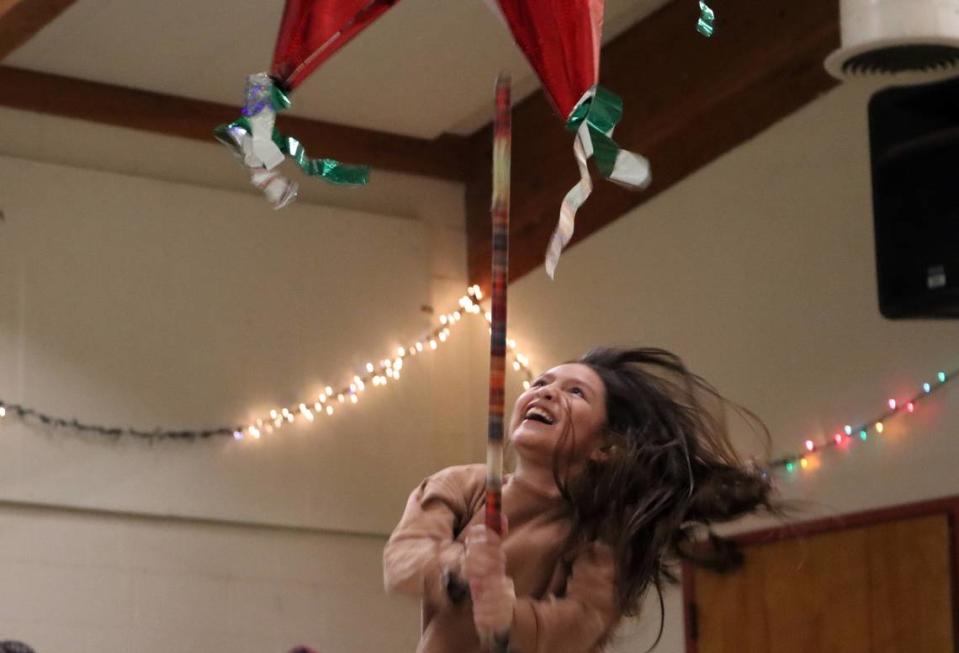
493 608
490 588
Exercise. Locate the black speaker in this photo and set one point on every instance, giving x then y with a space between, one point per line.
914 147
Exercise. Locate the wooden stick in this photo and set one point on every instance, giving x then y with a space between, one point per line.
500 274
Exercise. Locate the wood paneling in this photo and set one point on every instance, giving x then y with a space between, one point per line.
884 588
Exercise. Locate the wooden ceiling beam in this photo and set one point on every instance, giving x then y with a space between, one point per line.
688 100
20 20
444 157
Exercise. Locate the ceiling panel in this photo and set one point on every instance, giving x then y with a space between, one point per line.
424 68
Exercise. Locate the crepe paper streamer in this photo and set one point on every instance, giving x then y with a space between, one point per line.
500 277
262 147
707 20
593 120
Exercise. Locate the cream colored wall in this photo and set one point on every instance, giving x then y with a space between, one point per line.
79 582
759 271
144 282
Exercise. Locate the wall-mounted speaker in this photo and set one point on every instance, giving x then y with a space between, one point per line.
914 147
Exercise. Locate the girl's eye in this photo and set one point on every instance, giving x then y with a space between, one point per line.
538 382
577 391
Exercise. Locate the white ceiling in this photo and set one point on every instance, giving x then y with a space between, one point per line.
424 68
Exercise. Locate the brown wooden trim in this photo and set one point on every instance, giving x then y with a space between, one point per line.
948 506
444 157
20 20
687 101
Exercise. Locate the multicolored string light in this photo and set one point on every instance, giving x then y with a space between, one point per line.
387 370
850 433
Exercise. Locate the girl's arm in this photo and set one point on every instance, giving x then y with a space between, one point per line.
422 556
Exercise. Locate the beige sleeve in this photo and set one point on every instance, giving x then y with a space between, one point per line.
580 620
422 546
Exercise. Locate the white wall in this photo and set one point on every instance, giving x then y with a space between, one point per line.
144 282
759 271
77 582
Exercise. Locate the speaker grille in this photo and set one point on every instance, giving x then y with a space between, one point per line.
903 58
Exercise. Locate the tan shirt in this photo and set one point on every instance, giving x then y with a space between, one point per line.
559 609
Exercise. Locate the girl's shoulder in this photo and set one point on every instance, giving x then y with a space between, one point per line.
462 487
460 477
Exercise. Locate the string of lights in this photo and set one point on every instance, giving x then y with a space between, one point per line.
851 433
388 370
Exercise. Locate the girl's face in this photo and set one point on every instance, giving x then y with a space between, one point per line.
569 396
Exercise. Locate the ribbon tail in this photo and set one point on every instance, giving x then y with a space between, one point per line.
616 164
631 170
575 198
331 170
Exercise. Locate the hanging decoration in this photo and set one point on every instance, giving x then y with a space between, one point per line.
561 41
560 38
311 31
255 140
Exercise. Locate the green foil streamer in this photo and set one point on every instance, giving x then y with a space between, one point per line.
707 20
329 169
602 113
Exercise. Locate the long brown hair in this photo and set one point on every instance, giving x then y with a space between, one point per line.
669 469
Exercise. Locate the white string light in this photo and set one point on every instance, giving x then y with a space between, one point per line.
388 370
382 374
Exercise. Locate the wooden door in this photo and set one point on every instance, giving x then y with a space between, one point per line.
885 588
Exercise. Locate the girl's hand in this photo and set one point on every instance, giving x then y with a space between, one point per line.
484 567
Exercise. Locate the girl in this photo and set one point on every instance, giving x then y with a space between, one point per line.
618 460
